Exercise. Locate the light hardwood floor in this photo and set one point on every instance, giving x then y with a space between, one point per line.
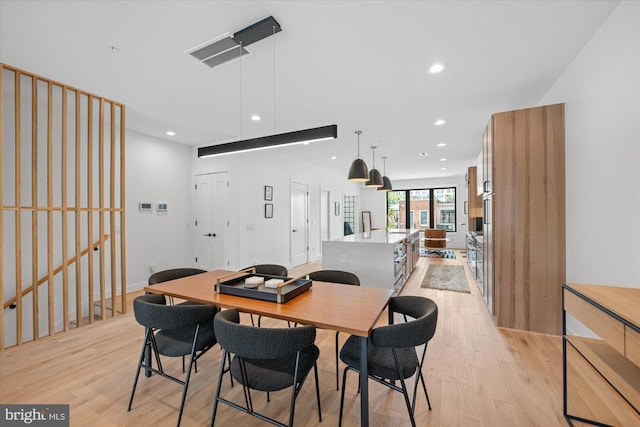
477 375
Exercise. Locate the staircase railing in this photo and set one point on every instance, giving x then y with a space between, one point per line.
61 188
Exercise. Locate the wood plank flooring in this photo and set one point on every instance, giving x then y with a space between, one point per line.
477 375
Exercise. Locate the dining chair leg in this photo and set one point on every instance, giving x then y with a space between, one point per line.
294 390
315 372
337 368
404 388
142 356
424 387
229 358
344 383
245 388
186 380
225 355
420 377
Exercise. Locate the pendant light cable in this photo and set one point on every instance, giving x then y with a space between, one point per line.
274 79
241 80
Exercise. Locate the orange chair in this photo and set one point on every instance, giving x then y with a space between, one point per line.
435 238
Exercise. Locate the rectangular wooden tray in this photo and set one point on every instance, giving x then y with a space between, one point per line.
234 285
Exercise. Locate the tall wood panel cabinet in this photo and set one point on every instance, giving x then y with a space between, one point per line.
524 217
474 201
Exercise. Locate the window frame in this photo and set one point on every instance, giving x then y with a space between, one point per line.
433 217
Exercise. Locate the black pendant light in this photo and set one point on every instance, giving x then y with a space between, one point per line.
358 172
375 179
386 182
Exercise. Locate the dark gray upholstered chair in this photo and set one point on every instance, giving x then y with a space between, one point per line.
172 274
265 359
336 276
172 331
268 269
392 354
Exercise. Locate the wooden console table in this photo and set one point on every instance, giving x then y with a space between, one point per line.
601 376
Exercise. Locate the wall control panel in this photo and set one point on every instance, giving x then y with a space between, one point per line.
145 206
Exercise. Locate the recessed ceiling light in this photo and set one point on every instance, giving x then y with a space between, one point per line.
256 118
443 169
439 122
333 157
442 144
443 160
171 133
436 68
424 154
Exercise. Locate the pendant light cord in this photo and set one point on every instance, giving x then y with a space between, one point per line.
373 148
241 79
274 79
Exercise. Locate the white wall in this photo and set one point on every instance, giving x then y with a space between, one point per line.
268 240
602 120
601 90
157 171
376 202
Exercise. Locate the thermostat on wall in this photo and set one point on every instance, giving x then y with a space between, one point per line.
145 206
162 207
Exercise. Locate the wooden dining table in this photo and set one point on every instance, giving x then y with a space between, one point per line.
351 309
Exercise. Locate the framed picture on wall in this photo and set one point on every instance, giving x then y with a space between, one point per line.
268 192
268 210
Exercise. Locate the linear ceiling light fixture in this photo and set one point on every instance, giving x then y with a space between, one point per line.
249 35
280 140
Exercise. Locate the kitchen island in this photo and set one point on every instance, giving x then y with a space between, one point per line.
380 258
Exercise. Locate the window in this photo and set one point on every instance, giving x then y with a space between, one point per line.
435 208
424 218
348 213
396 209
445 208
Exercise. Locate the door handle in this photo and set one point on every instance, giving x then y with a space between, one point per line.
210 235
294 231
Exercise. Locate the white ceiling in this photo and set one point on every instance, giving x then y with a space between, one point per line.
358 64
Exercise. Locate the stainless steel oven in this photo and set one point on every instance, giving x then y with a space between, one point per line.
471 253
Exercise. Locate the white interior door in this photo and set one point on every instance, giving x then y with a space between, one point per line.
212 220
299 223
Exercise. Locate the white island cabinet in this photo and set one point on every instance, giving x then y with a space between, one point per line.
380 258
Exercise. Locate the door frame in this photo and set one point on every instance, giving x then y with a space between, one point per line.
292 182
325 211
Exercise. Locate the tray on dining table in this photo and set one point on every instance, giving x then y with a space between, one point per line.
234 284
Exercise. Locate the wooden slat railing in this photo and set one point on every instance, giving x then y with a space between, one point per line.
57 270
74 154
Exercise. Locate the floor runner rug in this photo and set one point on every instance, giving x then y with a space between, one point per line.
446 277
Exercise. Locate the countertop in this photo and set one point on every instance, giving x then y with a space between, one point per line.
378 236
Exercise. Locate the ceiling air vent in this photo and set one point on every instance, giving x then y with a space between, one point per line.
227 48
